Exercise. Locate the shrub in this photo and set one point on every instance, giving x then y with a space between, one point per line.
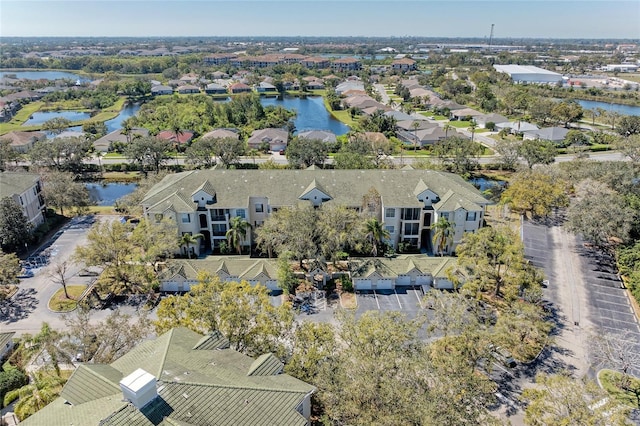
10 379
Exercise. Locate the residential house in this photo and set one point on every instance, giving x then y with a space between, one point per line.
6 344
427 135
265 87
239 88
321 135
161 90
188 89
26 190
403 116
222 133
105 143
350 85
217 75
219 59
182 137
215 89
190 78
314 83
315 62
176 83
181 378
388 273
180 275
346 64
553 134
516 126
404 65
483 119
24 141
465 114
411 201
276 138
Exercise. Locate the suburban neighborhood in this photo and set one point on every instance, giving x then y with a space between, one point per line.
321 230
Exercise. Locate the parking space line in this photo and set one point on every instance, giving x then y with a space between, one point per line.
418 297
376 297
396 293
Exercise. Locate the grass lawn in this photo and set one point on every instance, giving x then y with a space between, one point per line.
105 210
348 300
459 124
482 130
59 303
631 397
122 176
343 116
20 117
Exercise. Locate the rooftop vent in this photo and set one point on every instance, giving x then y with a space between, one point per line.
139 388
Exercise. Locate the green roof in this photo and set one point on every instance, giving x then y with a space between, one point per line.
401 265
200 382
242 267
15 183
233 188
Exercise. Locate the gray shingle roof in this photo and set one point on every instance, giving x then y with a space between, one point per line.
283 187
16 183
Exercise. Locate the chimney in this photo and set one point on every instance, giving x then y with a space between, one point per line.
139 388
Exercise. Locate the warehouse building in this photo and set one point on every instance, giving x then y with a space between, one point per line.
529 74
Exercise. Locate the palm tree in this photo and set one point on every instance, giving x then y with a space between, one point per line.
446 128
443 235
46 342
127 127
189 239
45 386
472 127
253 153
375 233
415 126
237 233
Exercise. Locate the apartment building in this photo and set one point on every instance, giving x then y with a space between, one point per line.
26 190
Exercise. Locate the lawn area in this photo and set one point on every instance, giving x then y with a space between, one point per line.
122 176
22 116
459 124
102 210
630 397
59 303
343 116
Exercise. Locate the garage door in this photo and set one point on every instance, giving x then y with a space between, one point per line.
404 280
424 279
386 284
362 284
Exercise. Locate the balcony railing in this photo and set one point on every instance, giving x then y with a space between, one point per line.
218 218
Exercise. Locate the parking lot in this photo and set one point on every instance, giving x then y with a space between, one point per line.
403 299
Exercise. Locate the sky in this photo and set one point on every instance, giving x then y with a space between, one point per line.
377 18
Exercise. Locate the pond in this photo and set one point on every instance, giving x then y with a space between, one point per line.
127 112
483 183
622 109
41 117
45 75
312 114
106 194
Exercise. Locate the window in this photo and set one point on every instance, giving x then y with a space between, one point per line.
390 229
410 214
259 208
241 213
158 217
186 218
444 216
390 213
471 216
411 228
21 201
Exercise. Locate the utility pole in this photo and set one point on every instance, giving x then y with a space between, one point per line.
491 37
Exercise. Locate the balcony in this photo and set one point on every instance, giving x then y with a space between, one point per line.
218 218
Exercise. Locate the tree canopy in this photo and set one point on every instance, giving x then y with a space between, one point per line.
15 229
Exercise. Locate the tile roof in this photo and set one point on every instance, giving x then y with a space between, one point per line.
199 383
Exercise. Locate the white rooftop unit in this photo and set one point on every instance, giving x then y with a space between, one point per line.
529 74
139 388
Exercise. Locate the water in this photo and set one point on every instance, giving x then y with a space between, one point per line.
312 115
41 117
106 194
622 109
116 123
483 183
45 75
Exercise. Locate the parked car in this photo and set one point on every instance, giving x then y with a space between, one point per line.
25 273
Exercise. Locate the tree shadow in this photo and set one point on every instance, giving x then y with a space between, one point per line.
19 307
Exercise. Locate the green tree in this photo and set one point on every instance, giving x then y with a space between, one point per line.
566 112
460 155
154 240
303 153
576 137
43 389
287 280
338 230
15 229
46 345
9 270
312 345
188 240
538 151
241 312
629 125
64 154
58 274
442 235
600 214
535 192
62 191
228 150
630 147
202 152
7 154
149 152
56 125
375 233
558 399
509 151
237 232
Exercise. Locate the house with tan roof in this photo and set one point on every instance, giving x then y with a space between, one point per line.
222 134
346 64
239 88
23 141
277 139
404 65
181 378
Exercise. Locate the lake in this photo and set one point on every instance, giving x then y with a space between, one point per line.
127 112
41 117
622 109
106 194
483 183
46 75
312 115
